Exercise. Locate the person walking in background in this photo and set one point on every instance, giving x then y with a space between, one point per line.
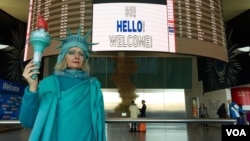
134 112
143 109
235 112
203 113
222 111
68 104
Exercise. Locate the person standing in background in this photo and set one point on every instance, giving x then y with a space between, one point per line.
143 109
235 112
222 112
203 113
134 112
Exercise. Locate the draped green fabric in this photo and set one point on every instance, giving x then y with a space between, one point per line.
76 115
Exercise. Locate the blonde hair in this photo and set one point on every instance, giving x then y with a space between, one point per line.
63 65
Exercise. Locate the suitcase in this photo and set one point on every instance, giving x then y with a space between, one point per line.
142 127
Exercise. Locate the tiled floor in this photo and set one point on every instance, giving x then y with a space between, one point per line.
163 132
154 132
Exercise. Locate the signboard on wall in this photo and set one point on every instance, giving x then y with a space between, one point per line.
195 107
10 100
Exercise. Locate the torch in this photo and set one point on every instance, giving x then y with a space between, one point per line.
39 39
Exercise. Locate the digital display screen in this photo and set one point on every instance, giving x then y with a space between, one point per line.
132 27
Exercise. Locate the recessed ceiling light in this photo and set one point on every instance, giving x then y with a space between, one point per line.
244 49
3 46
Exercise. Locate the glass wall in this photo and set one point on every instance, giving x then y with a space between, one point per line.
161 103
152 72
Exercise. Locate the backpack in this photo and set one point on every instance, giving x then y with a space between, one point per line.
219 111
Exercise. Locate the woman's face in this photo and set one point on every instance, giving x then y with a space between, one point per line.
74 58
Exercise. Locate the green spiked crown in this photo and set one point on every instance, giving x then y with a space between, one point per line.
76 40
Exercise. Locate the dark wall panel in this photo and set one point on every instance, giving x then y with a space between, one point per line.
219 75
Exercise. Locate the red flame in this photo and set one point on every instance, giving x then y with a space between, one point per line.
41 23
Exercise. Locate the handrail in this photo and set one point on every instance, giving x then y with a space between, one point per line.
150 120
173 120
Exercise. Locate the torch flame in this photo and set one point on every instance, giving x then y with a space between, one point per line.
42 23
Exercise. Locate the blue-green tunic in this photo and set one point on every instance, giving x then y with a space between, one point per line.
69 111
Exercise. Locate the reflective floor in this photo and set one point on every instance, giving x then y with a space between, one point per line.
154 132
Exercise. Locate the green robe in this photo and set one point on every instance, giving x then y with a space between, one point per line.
75 114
